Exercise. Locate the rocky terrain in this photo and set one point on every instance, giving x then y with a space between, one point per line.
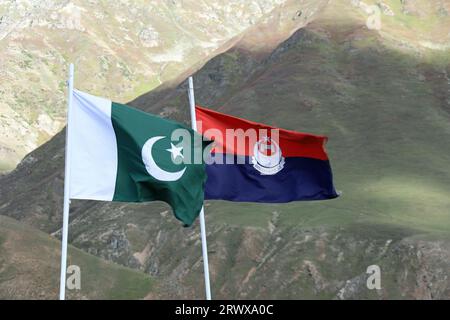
382 96
121 49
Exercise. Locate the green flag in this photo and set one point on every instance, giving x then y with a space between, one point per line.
119 153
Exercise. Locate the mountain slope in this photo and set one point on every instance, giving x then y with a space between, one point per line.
29 269
142 43
385 107
44 180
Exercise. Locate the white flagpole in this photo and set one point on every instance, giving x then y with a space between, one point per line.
202 212
65 229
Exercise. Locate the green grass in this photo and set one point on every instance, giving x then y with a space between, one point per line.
7 165
109 281
32 257
143 86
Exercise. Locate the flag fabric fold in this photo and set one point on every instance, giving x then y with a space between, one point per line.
292 167
119 153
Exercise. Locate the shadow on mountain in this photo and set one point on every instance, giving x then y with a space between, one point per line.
385 111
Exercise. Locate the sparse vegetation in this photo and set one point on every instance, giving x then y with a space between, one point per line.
381 97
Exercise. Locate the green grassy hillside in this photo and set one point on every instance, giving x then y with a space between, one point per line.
29 269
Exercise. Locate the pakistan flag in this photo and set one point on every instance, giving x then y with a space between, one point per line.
118 153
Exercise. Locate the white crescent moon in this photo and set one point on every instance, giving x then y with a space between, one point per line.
152 168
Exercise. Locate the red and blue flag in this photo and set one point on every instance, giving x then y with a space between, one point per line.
253 162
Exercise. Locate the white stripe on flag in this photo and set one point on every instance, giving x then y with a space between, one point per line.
93 148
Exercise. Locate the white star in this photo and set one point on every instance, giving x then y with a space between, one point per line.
175 151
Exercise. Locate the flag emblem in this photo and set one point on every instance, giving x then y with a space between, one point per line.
267 157
273 165
153 169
